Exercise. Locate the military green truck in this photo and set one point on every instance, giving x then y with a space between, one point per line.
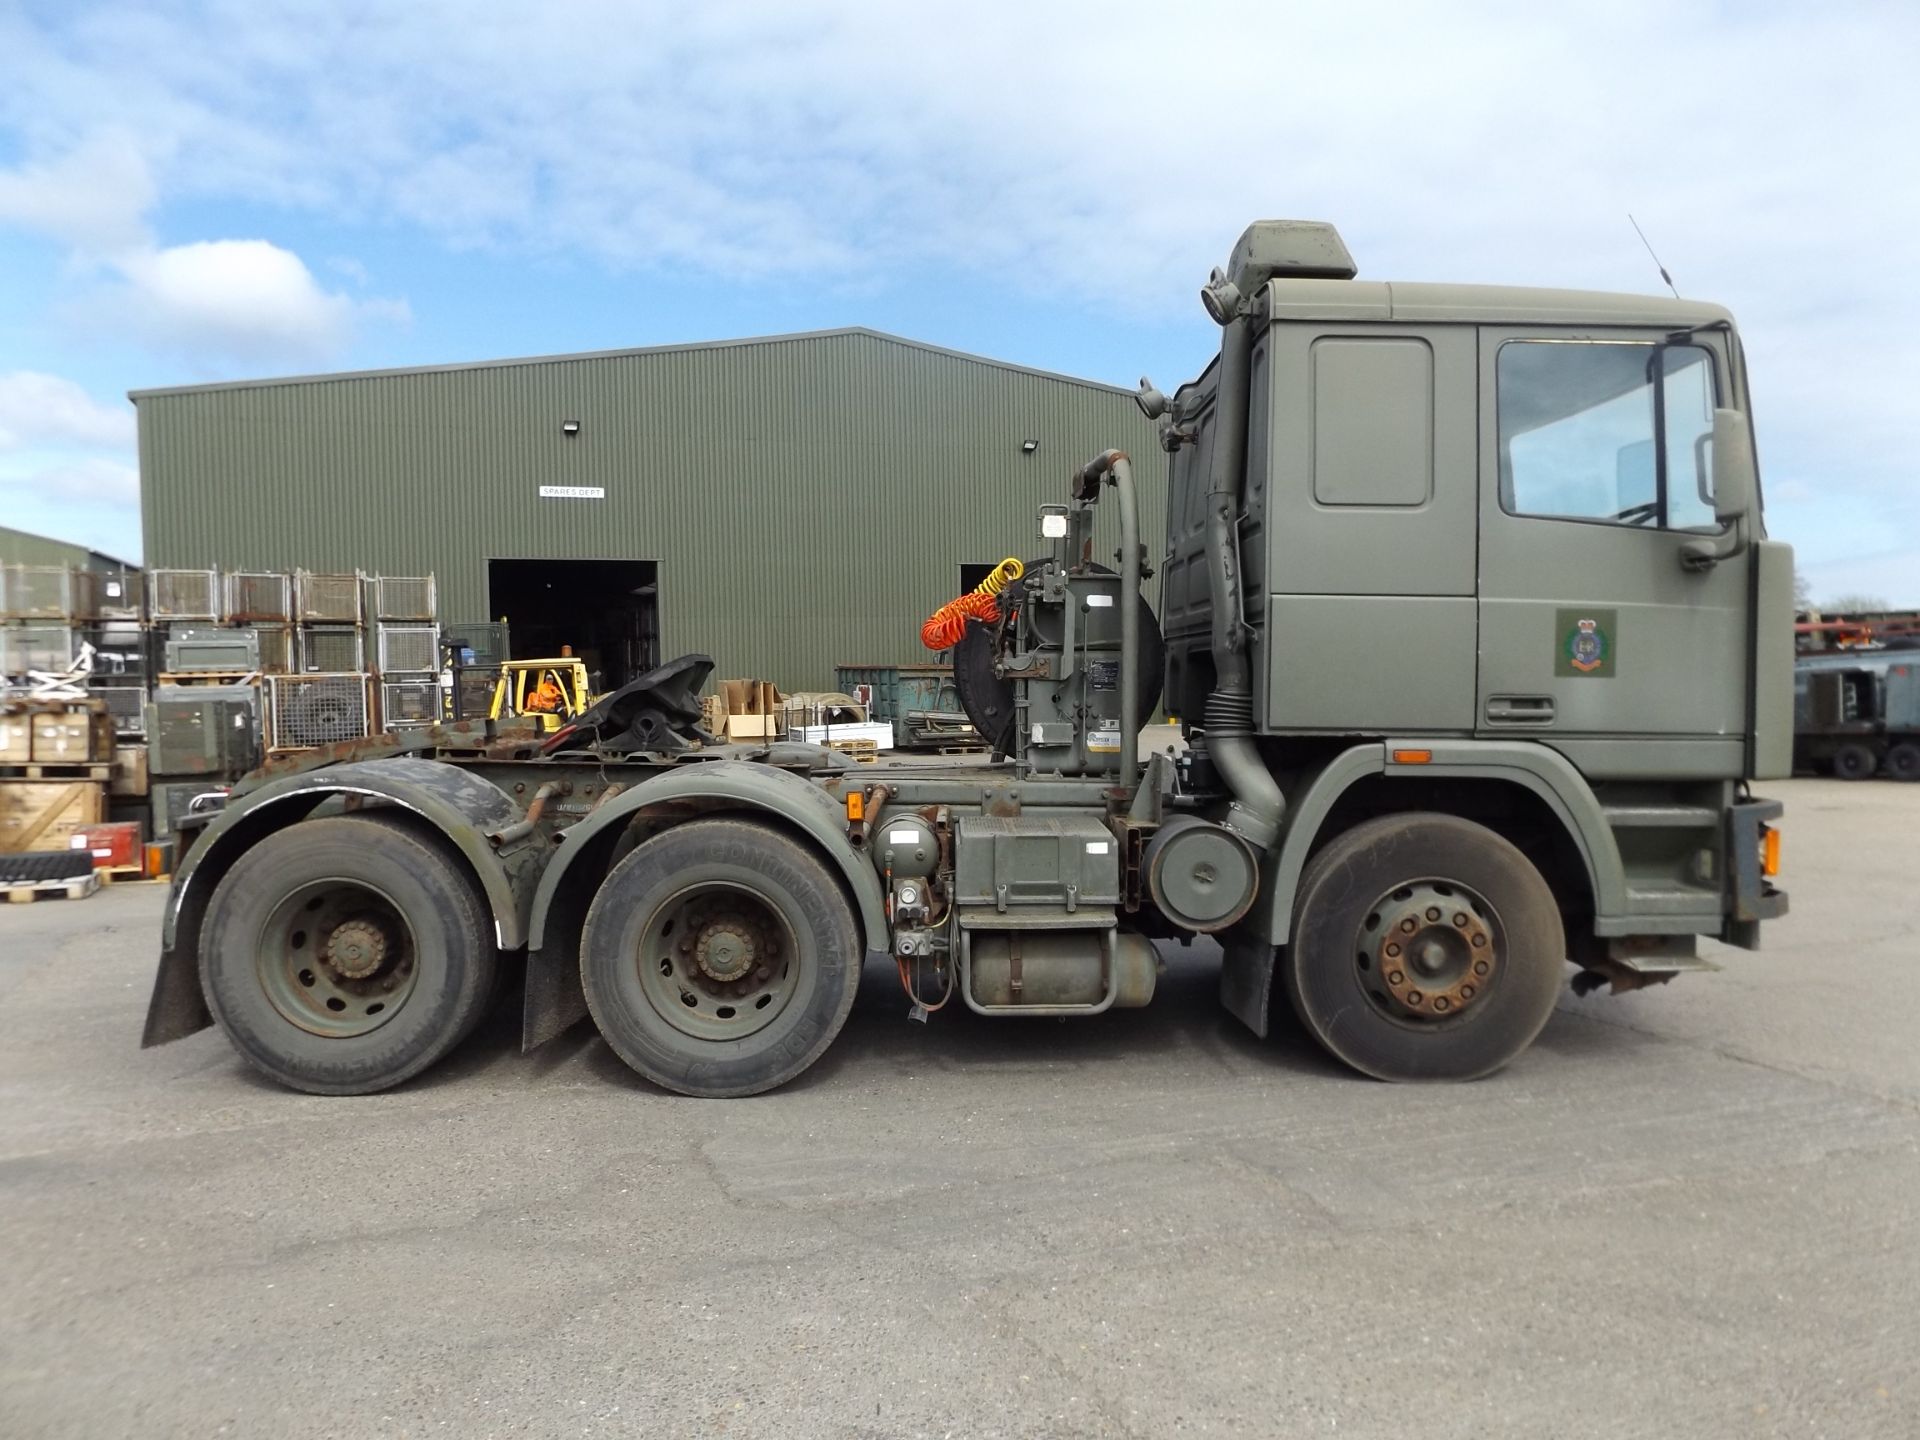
1476 641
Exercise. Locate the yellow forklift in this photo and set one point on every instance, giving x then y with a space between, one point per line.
556 690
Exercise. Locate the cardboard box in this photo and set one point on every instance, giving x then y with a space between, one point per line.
756 727
44 814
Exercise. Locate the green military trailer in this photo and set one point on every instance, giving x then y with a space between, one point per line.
1475 637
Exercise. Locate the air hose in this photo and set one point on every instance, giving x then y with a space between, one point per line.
947 624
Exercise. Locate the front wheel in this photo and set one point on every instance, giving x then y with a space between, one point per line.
720 958
1424 947
1903 762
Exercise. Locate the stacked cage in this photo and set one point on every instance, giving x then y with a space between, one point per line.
205 716
406 649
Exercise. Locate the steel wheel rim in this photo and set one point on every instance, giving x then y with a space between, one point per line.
338 958
717 962
1428 953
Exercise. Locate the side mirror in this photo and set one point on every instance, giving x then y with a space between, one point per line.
1735 476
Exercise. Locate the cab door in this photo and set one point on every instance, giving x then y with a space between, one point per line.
1594 636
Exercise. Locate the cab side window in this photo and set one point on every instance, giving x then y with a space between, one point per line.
1607 431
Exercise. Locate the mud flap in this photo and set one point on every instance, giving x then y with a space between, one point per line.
1246 975
554 1000
177 1008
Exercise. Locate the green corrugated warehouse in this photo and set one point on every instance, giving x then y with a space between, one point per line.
782 504
21 547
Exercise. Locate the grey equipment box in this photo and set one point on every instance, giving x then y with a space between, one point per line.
198 650
211 730
1061 861
172 801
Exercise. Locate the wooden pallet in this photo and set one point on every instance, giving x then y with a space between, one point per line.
56 770
119 874
50 889
858 749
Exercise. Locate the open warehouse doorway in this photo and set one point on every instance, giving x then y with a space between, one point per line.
607 610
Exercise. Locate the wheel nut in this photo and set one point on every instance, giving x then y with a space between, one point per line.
1460 920
1407 925
1466 992
1480 967
763 973
1441 1003
1413 997
1392 950
1433 912
1395 978
1479 940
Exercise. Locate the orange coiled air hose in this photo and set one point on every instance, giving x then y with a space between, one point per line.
947 624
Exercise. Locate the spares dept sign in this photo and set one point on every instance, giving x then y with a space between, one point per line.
573 492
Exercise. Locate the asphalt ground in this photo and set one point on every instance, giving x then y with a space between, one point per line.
1687 1212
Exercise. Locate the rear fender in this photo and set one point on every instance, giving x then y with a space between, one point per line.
458 805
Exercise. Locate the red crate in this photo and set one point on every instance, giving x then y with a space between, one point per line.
114 847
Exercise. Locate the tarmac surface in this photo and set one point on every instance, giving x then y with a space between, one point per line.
1686 1212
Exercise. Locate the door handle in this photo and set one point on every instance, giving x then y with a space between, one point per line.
1520 710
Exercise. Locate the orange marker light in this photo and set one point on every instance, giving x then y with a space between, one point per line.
856 806
1769 851
1413 757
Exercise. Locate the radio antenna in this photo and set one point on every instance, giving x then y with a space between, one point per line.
1655 258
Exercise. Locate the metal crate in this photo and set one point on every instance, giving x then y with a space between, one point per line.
409 700
127 704
327 599
404 597
36 592
255 595
200 649
308 710
276 650
183 594
35 647
330 649
409 647
487 639
106 594
203 730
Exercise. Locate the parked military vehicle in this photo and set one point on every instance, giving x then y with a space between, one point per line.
1475 634
1857 712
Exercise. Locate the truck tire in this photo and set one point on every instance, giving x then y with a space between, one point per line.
1854 761
720 958
343 956
1903 761
1424 947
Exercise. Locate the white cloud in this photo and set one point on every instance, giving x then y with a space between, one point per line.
38 410
86 479
246 299
93 197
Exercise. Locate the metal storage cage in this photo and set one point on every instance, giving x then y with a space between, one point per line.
106 594
486 638
127 704
308 710
36 592
403 597
183 594
327 599
409 647
276 649
330 649
409 700
254 595
35 647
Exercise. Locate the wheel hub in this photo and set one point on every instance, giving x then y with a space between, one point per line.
1432 948
728 949
358 948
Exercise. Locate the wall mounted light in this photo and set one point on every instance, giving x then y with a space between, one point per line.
570 428
1027 447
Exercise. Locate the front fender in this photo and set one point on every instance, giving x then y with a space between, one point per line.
734 784
457 803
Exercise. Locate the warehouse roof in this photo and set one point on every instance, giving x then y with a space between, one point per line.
846 330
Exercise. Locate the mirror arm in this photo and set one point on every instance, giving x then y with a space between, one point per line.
1707 551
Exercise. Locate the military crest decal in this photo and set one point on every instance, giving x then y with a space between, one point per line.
1587 643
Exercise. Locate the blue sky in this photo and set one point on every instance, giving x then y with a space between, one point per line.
219 189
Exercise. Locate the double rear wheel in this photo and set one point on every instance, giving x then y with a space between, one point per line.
1424 947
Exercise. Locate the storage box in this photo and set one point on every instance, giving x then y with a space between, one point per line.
115 846
16 737
129 770
44 814
72 737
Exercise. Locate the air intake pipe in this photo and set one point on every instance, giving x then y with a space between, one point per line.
1257 806
1116 469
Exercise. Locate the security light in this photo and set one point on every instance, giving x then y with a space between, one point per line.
1151 402
1027 447
1221 297
570 428
1053 522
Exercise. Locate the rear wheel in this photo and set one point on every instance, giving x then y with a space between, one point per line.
1424 947
1854 761
1903 761
720 958
344 956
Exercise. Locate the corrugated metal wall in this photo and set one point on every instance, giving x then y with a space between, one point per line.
19 547
809 499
